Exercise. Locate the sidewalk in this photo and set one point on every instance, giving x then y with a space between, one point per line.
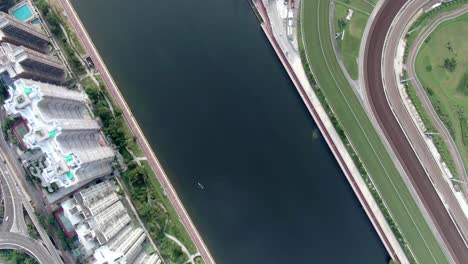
136 130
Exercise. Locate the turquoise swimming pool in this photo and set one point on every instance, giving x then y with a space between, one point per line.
23 12
36 21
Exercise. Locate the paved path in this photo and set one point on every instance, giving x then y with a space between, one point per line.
153 161
11 178
336 146
440 127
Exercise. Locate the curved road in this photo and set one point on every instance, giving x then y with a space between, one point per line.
30 246
8 206
384 113
13 232
439 125
13 217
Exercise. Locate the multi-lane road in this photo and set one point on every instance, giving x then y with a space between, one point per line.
421 169
13 230
34 248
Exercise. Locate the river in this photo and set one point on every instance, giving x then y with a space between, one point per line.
218 108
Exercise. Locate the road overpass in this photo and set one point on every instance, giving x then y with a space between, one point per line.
14 231
25 243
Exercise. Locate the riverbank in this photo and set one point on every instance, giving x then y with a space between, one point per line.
316 110
136 130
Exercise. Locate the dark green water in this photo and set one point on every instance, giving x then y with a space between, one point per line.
218 108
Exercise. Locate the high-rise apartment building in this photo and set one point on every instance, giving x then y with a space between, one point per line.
62 128
21 34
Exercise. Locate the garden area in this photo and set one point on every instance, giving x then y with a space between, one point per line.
349 31
442 68
15 257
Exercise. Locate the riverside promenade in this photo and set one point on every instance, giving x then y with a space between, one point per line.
296 73
133 124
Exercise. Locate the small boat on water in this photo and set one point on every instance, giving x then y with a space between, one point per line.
201 186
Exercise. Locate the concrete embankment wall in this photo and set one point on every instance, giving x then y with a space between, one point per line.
336 145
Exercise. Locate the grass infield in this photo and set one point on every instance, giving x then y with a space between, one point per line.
448 89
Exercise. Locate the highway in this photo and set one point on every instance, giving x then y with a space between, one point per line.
13 219
8 205
422 177
15 201
23 242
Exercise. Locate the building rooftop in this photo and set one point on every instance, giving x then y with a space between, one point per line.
22 62
60 125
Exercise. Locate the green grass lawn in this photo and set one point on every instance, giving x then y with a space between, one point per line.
88 83
353 30
363 136
175 226
448 90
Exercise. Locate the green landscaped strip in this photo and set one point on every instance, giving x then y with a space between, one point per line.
448 91
437 140
426 17
363 136
182 235
349 45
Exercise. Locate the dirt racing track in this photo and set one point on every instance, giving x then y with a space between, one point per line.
396 136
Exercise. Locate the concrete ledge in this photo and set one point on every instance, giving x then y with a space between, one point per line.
299 78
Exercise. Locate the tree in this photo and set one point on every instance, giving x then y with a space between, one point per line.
429 68
104 113
115 132
93 95
54 23
137 174
450 64
342 23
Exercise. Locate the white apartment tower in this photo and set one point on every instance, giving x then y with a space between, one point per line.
61 126
104 229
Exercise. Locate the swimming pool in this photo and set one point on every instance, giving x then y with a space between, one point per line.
36 21
23 12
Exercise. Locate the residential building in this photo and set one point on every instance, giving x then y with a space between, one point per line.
21 34
104 227
63 129
22 62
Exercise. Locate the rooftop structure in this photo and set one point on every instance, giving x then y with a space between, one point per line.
20 34
108 223
23 11
124 248
144 258
96 231
21 62
61 127
89 202
103 227
4 4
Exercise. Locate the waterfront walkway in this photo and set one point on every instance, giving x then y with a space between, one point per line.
130 119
